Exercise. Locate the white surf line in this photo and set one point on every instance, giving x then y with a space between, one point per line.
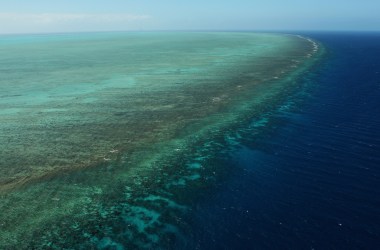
313 43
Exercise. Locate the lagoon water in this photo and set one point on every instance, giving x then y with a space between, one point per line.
188 141
105 135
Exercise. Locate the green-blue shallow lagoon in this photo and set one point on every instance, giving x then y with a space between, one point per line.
105 137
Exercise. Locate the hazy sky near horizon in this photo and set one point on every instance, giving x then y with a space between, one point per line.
36 16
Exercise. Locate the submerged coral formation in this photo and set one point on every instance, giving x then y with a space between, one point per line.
103 136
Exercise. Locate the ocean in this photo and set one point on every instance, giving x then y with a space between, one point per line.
190 141
312 180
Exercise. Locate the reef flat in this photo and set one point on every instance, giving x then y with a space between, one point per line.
102 134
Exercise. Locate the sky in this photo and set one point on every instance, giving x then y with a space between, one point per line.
44 16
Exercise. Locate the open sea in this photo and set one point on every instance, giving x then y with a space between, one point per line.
190 141
312 181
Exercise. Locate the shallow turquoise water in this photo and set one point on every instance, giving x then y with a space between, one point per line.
106 136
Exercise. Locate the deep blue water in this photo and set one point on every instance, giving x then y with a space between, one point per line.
312 181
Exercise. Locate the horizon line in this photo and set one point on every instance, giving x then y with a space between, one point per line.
195 30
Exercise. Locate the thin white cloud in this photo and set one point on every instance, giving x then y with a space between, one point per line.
49 18
62 22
